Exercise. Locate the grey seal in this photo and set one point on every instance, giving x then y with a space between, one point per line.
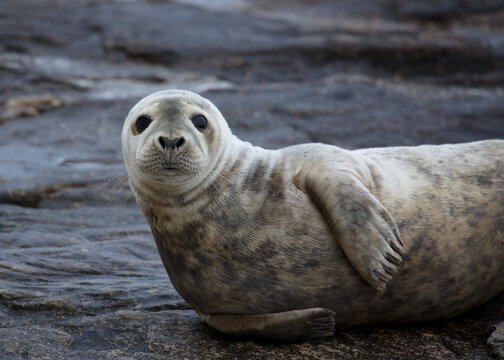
294 243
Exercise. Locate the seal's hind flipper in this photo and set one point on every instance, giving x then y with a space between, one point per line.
294 325
363 227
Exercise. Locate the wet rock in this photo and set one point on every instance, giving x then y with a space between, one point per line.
446 10
40 342
496 341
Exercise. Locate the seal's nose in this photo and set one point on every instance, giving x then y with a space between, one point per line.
174 143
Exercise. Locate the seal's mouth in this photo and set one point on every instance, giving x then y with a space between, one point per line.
169 161
171 167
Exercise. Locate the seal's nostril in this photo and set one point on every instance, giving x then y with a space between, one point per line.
179 141
167 142
164 141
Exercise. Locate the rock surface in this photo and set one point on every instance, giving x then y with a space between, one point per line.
80 276
496 341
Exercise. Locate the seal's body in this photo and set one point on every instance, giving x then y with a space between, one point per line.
293 243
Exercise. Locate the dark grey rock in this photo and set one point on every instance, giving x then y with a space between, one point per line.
496 341
446 10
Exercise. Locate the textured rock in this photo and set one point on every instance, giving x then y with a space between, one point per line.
496 341
80 276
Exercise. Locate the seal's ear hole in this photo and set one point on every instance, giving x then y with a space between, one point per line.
142 122
200 122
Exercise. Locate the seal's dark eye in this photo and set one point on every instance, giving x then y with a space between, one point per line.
200 122
142 122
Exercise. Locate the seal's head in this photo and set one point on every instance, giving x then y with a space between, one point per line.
172 141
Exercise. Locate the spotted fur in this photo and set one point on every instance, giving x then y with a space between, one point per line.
250 236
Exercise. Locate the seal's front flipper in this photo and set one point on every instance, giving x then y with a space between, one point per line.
294 325
362 226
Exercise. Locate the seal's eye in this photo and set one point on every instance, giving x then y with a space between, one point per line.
142 122
200 122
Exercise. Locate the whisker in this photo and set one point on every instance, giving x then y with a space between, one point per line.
126 198
194 85
116 191
118 179
111 176
222 176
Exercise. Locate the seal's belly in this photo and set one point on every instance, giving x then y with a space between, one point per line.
282 256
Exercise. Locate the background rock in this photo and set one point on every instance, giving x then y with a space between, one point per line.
80 276
496 341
